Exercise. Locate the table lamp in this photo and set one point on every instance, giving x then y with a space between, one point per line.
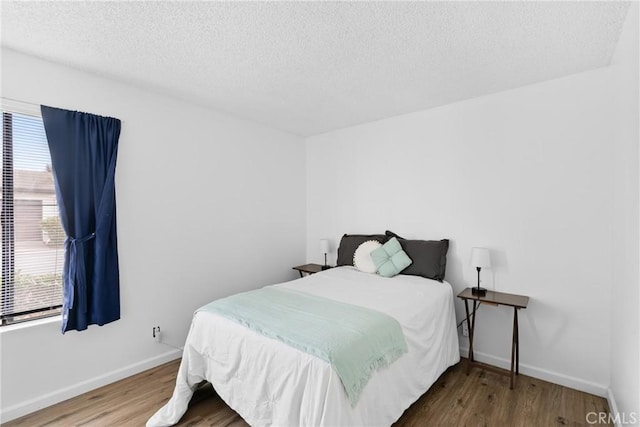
324 248
480 258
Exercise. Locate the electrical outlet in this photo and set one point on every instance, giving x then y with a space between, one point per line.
465 329
157 334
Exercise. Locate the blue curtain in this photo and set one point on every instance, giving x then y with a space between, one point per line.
83 155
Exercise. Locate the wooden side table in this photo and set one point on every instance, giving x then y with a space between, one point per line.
495 299
310 269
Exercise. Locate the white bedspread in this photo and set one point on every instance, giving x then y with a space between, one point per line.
270 383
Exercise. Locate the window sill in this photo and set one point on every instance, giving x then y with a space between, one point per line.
30 324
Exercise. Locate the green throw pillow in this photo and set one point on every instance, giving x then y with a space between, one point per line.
390 259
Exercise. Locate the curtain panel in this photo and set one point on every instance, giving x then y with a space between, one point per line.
83 150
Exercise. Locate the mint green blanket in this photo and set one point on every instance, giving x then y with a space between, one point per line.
354 340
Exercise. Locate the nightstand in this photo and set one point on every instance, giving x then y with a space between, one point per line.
310 269
495 299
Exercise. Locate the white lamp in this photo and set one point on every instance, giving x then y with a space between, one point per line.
480 258
324 249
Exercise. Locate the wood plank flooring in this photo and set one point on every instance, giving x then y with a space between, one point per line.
482 398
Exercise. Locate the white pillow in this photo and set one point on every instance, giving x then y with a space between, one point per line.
362 256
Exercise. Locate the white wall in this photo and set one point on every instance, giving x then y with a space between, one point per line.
208 205
527 173
625 317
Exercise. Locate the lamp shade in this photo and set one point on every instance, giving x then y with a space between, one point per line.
324 246
480 257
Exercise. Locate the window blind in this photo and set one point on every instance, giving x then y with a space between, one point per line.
32 236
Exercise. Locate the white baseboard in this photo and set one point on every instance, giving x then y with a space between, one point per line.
32 405
542 374
613 407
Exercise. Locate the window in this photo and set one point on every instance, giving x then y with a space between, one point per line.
32 236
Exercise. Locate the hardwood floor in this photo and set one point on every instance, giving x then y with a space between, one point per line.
481 399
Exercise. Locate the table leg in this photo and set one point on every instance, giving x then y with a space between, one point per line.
472 330
513 344
517 344
468 320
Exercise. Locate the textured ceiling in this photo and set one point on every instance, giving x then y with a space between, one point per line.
311 67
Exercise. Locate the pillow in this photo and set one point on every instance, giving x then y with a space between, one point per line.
362 256
390 259
429 256
350 242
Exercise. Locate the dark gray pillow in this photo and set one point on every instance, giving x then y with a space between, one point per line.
429 256
350 242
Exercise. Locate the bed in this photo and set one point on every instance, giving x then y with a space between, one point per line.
271 383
